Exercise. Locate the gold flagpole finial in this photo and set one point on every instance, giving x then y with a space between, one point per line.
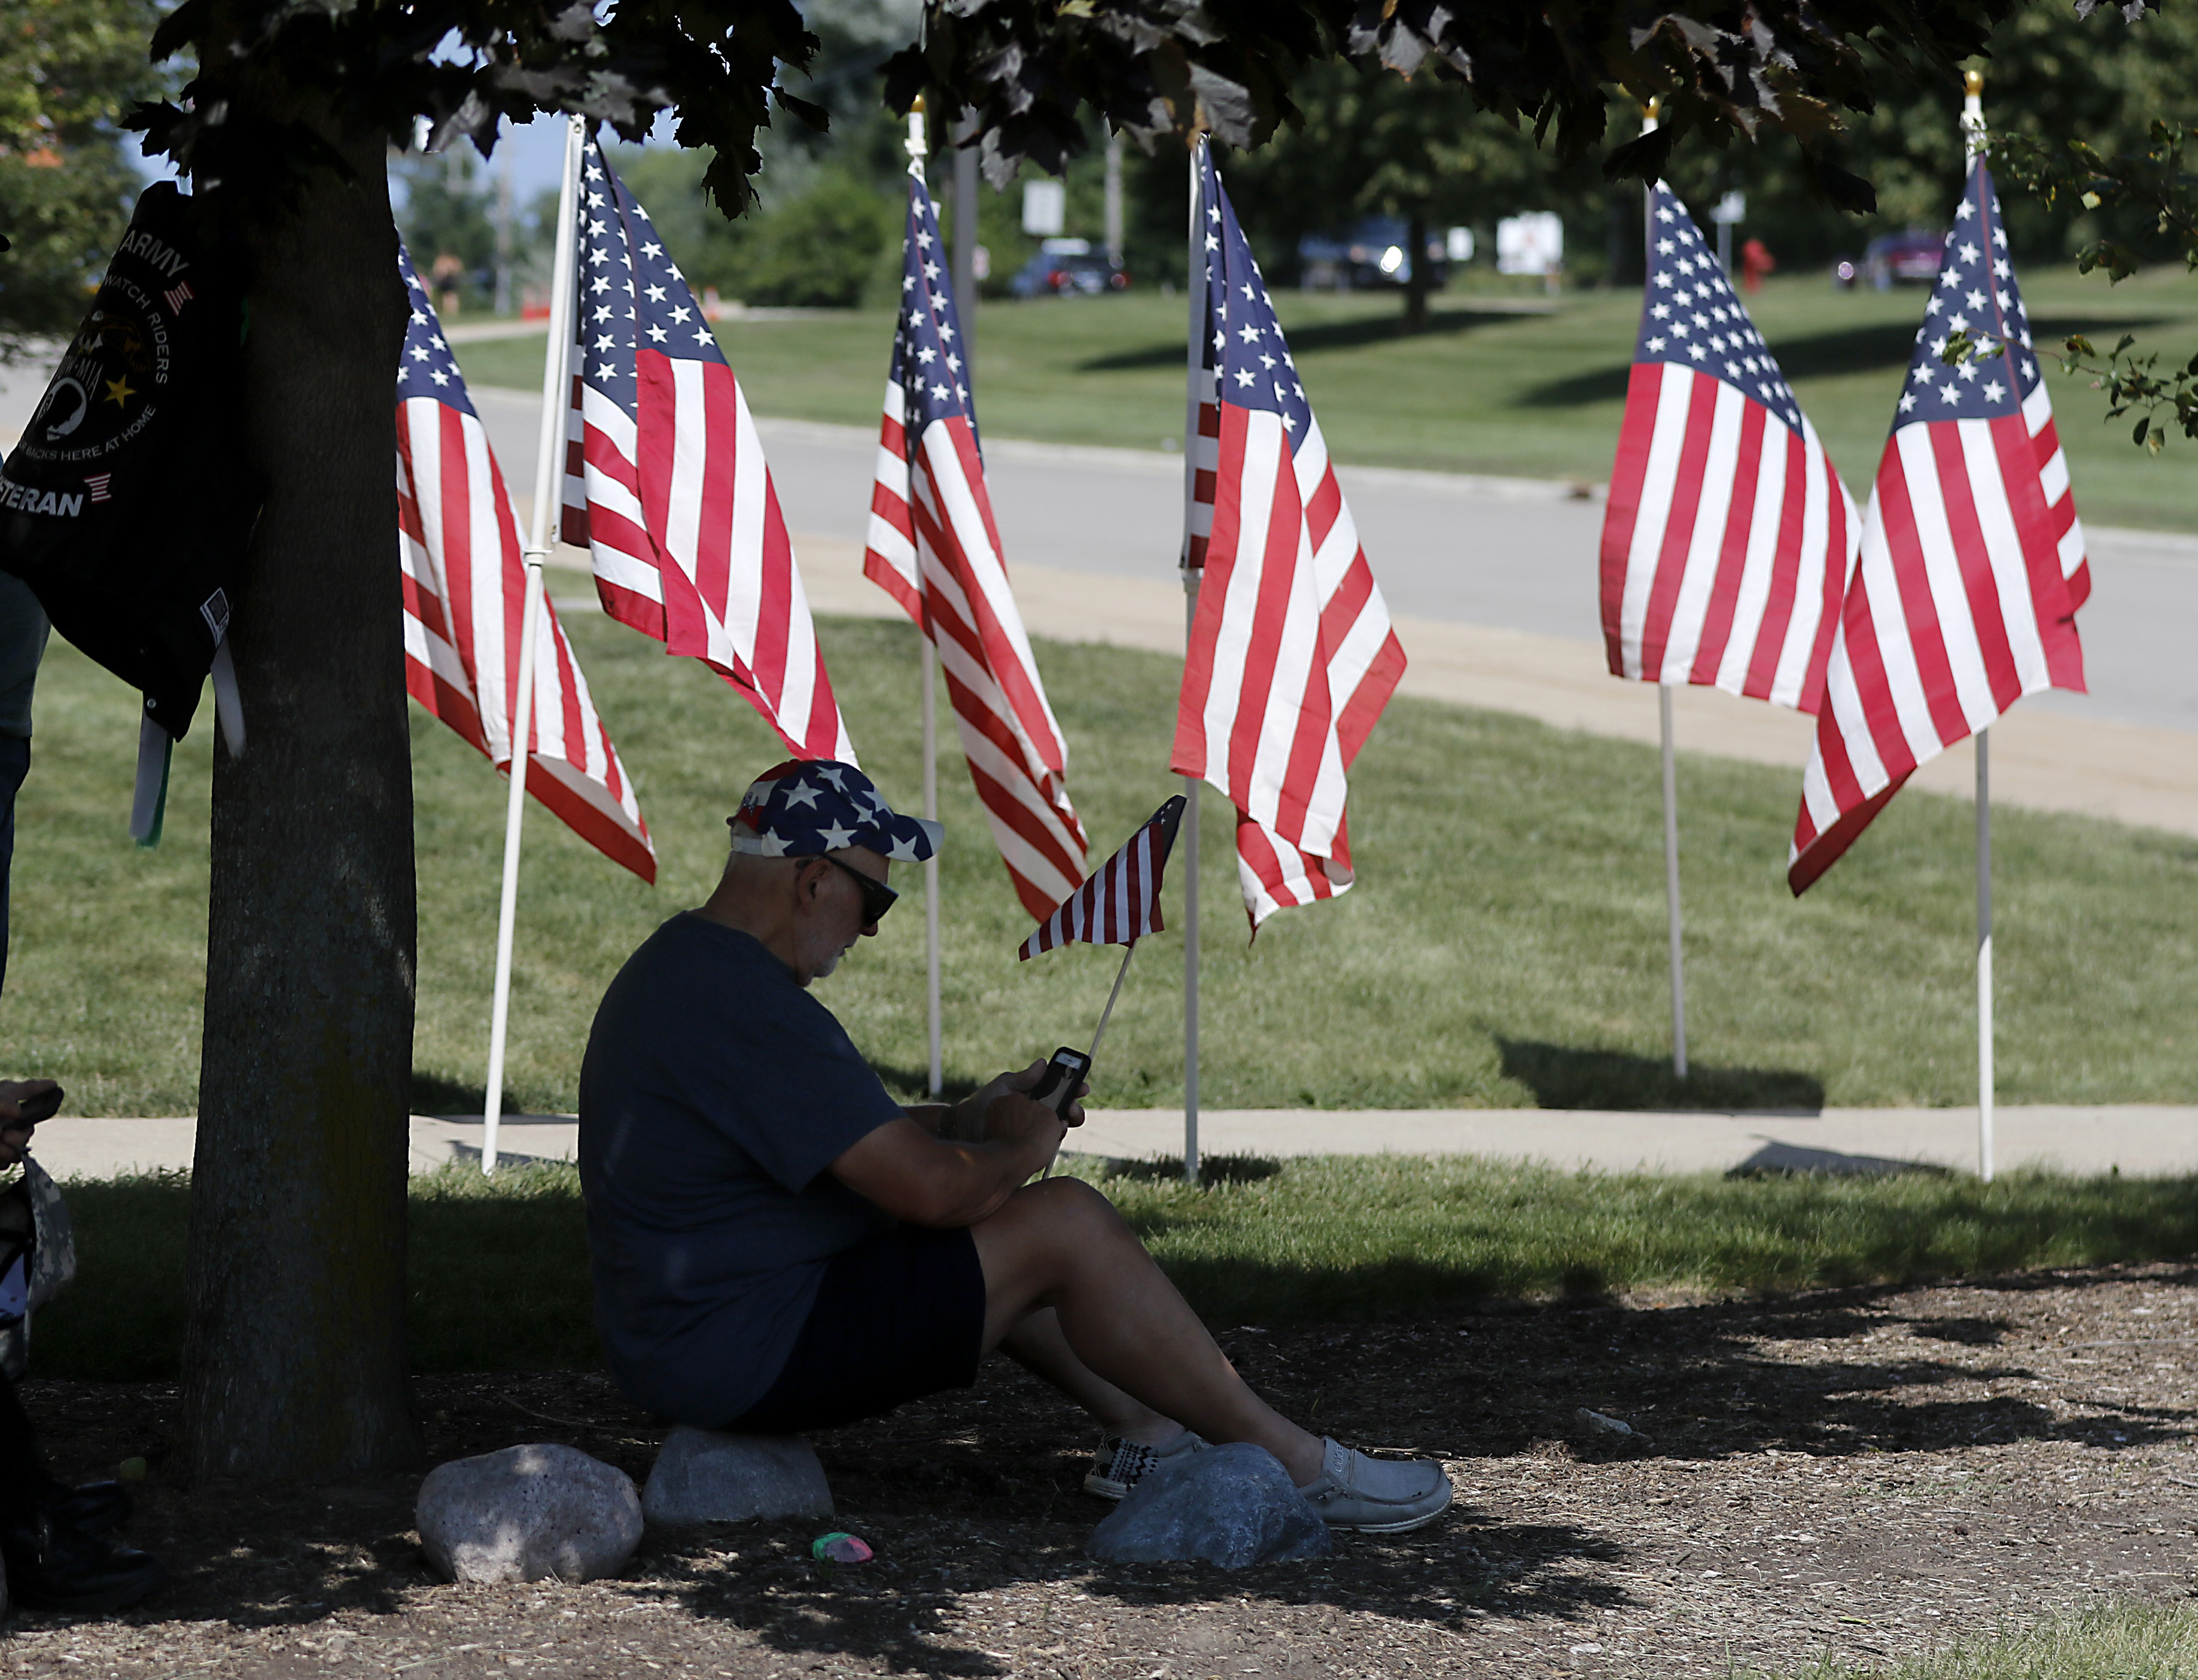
1973 83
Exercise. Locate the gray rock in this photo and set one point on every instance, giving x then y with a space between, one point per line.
1229 1505
703 1476
528 1512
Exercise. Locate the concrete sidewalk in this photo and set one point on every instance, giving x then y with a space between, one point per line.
2138 1140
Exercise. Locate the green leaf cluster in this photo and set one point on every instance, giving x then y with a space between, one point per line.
69 70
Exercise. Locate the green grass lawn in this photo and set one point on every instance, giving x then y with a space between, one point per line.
2130 1641
1505 945
499 1267
1486 390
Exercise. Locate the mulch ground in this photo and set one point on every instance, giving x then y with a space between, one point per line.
1868 1472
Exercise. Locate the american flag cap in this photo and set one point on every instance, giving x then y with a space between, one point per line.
806 807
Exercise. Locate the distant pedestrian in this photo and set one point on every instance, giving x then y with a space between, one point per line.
1755 262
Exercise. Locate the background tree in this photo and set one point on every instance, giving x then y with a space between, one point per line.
1357 145
294 1349
69 70
449 209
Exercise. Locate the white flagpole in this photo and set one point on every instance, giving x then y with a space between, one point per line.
1196 283
1973 133
1983 958
1671 887
918 144
930 864
548 493
1663 724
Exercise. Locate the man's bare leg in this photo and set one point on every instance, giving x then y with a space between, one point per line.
1060 1244
1037 1345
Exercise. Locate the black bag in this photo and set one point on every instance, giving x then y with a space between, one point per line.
127 504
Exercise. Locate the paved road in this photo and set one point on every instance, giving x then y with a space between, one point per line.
1503 554
1514 554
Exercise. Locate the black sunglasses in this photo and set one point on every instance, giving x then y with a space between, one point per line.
877 897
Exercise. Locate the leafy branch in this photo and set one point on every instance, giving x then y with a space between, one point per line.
2156 183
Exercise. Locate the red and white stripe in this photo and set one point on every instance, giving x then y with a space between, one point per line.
1726 542
1292 658
1120 903
1204 472
935 547
2060 497
465 582
681 519
1958 607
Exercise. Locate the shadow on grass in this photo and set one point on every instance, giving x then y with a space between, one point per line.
1212 1169
433 1093
1852 349
1309 336
499 1276
1561 1075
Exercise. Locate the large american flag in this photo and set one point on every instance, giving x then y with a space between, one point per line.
1728 537
1121 901
933 547
666 483
465 586
1292 655
1971 561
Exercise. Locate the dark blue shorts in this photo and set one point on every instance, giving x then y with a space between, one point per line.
899 1315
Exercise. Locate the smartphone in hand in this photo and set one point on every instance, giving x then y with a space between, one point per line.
1056 1086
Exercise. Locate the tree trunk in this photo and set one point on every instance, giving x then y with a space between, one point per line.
1415 288
293 1355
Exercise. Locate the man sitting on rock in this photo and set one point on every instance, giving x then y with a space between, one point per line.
778 1246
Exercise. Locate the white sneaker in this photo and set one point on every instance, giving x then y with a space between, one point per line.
1377 1496
1118 1465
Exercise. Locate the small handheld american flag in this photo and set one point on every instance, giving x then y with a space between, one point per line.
1117 906
1120 903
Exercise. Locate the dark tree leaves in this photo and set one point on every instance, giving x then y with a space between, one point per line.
1031 69
379 66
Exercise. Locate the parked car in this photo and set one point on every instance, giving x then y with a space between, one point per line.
1068 268
1374 254
1893 258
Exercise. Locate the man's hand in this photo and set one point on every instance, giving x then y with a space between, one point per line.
969 1120
23 1104
1013 1119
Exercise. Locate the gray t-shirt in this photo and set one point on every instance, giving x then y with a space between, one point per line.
715 1093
